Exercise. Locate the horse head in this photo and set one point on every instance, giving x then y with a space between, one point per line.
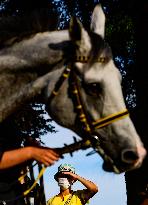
88 98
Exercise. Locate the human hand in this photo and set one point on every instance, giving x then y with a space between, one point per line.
47 156
71 175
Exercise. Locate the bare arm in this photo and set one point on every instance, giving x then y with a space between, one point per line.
15 157
88 184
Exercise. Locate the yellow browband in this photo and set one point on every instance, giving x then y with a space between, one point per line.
84 59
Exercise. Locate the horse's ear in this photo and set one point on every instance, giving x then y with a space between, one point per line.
75 27
98 21
77 32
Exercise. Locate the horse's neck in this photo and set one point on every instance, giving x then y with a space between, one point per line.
43 49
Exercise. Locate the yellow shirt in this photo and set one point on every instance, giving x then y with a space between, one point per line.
78 198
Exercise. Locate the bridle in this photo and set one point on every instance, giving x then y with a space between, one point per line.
87 125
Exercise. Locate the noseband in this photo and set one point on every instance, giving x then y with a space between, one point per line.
87 125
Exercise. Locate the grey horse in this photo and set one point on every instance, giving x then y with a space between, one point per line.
73 73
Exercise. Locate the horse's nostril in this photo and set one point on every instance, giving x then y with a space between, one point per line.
129 156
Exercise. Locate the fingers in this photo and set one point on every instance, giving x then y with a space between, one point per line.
73 176
68 173
54 153
50 157
46 156
48 162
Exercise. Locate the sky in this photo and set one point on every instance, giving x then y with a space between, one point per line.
112 186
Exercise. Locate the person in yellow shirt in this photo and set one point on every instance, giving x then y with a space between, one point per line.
65 177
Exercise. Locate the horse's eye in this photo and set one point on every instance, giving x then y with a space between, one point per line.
93 89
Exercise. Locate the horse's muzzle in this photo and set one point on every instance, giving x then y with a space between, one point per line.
130 159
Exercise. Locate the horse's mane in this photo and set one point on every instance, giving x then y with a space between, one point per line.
15 28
